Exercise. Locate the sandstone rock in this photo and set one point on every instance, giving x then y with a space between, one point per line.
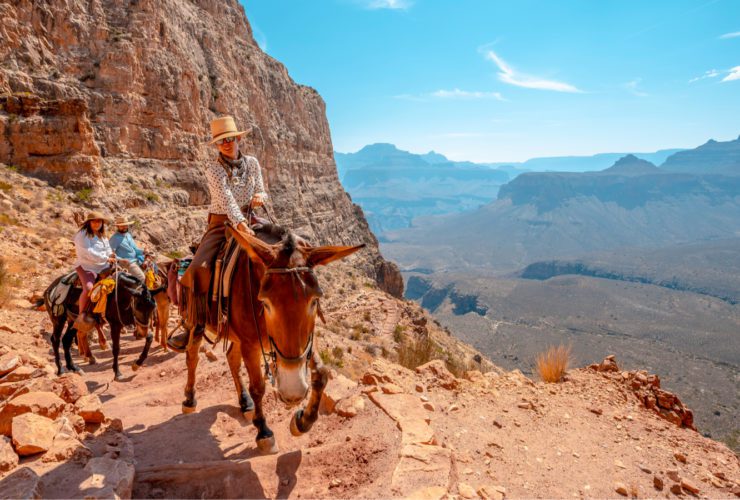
658 483
689 486
419 388
466 491
9 362
46 404
339 388
680 457
676 489
108 478
8 456
23 484
350 407
77 422
609 364
428 406
621 488
10 388
421 470
32 433
23 373
438 374
71 387
28 358
492 492
391 389
90 409
409 415
66 447
476 377
430 493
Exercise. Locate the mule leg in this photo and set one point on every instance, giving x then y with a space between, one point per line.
67 339
56 338
252 359
115 335
144 353
246 405
192 357
163 317
304 418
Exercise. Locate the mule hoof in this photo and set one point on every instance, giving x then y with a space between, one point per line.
76 369
248 415
267 446
135 366
294 430
61 371
186 409
90 360
118 377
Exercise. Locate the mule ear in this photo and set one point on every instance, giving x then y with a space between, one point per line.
320 256
255 247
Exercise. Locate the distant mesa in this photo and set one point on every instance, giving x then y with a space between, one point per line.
713 157
632 165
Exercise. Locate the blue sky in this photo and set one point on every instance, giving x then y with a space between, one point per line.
490 80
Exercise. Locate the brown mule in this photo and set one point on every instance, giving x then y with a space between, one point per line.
274 303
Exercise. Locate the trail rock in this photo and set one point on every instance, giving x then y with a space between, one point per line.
423 470
492 492
46 404
108 478
430 493
9 362
621 488
90 409
350 407
337 389
689 486
658 483
438 375
32 433
8 456
71 387
21 484
66 447
412 419
466 491
23 373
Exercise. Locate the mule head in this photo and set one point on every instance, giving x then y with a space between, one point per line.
289 293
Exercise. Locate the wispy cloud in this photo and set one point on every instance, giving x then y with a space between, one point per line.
509 75
733 75
388 4
632 87
736 34
456 93
712 73
466 94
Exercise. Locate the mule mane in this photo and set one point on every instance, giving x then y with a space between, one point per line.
287 239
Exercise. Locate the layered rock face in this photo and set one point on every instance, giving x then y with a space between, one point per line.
101 91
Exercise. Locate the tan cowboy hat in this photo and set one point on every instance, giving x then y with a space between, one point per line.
120 220
93 216
224 127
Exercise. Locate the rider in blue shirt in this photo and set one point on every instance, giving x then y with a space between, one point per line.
122 243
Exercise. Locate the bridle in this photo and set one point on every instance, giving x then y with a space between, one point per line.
274 354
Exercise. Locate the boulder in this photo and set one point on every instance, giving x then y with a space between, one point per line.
23 373
90 409
71 387
46 404
32 433
466 491
67 447
21 484
350 407
8 456
108 478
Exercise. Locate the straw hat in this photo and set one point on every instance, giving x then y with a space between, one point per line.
120 220
224 127
93 216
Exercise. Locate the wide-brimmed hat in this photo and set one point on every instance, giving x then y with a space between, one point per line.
120 220
93 216
224 127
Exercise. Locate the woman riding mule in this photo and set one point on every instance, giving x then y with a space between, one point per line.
234 181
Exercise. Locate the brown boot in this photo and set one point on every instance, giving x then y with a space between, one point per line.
181 341
84 322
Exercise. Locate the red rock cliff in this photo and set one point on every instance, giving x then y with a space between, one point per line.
117 95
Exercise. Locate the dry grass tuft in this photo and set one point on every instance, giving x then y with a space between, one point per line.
413 353
552 364
4 283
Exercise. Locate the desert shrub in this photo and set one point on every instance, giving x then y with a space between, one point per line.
7 220
84 195
337 353
5 186
333 357
398 334
413 353
457 366
151 196
175 254
553 363
366 316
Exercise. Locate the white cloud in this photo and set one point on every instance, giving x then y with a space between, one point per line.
466 94
513 77
712 73
730 35
734 74
388 4
632 87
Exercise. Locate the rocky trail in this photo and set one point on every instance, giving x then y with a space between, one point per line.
392 432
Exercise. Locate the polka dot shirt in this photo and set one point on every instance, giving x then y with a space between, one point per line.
231 192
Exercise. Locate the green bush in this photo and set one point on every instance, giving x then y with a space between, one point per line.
84 195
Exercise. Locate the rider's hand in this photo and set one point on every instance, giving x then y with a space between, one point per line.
242 226
112 259
257 200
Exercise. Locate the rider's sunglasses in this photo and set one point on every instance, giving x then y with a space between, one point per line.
226 140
